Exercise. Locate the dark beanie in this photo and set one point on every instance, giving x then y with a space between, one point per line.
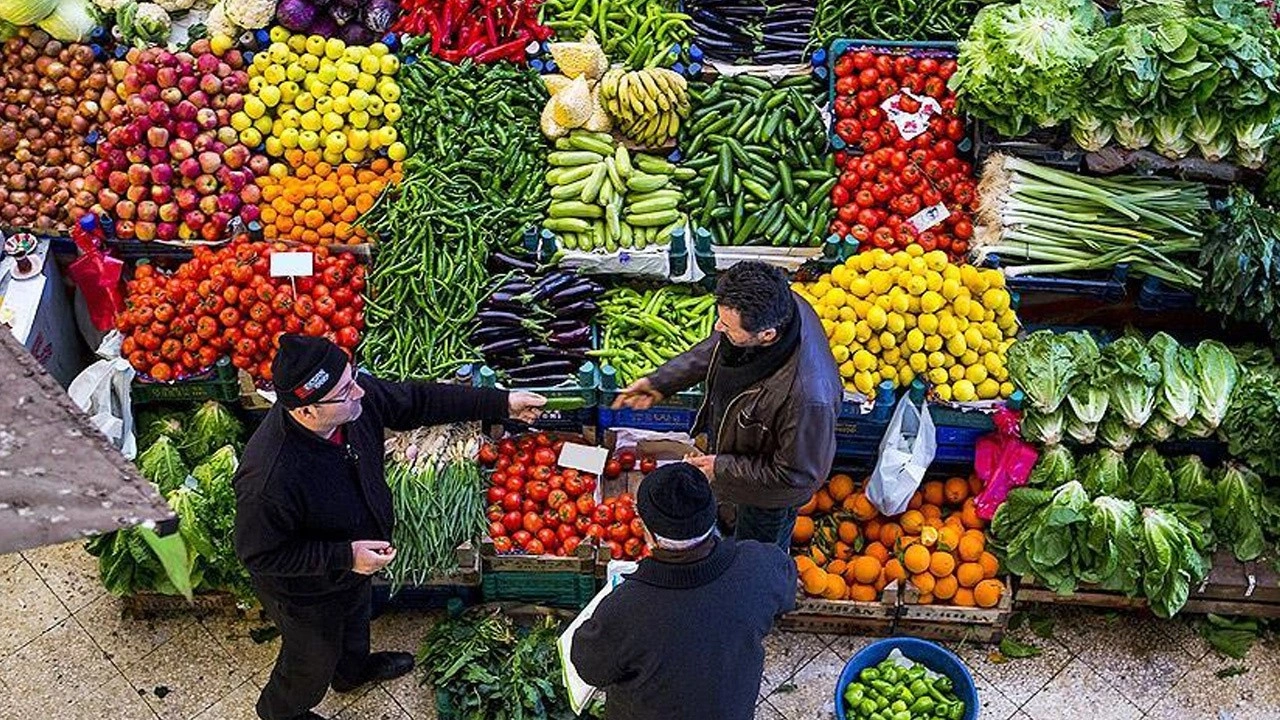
305 369
675 501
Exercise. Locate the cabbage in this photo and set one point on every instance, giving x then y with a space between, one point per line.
1113 545
1056 466
1104 473
1216 375
1150 480
71 21
26 12
1043 428
1133 379
1178 395
1192 482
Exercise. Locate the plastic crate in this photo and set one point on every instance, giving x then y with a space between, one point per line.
221 383
917 49
574 401
571 591
1110 289
1154 295
425 597
1051 147
674 414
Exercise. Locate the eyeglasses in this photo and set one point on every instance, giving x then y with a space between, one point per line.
344 398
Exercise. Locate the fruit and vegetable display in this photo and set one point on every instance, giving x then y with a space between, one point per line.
1238 257
190 458
536 330
309 92
1123 392
636 33
763 173
482 32
225 302
646 105
641 330
902 181
53 95
901 689
910 314
845 549
605 198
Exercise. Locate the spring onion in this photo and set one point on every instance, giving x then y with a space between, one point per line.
1043 221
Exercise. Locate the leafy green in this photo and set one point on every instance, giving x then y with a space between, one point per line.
1113 544
1192 482
1252 424
1023 65
1115 433
1044 428
1104 473
1044 365
1080 431
211 426
1158 429
1240 255
162 464
1133 376
152 425
1172 560
1050 545
1238 513
1149 480
1178 398
1014 650
1055 466
174 557
1088 395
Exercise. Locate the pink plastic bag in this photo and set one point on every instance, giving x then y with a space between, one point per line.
1003 461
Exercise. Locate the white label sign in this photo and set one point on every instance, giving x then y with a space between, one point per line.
911 125
292 264
586 458
929 217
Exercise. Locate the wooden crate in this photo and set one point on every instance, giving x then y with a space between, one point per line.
588 559
844 617
1249 589
952 622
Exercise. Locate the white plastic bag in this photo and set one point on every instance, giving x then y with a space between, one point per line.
102 392
907 449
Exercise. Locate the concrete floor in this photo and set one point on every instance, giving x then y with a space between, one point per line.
66 653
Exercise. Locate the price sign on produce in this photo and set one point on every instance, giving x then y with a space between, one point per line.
292 264
910 113
929 217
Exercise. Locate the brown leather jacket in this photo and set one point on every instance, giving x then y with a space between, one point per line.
777 440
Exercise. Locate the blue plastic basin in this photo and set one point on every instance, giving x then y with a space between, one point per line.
932 656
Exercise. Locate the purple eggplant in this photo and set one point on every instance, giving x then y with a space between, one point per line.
580 310
572 338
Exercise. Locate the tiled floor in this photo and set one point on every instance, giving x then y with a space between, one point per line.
66 652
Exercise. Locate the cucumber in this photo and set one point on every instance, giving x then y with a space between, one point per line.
568 175
574 209
591 190
655 205
639 182
685 173
573 157
653 219
622 160
654 166
567 225
565 192
584 141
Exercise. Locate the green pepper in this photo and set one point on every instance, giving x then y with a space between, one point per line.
883 687
869 674
905 695
943 684
924 705
898 706
867 708
916 672
882 703
957 711
919 688
854 694
904 715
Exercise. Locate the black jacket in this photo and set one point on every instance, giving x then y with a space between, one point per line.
776 442
686 641
301 500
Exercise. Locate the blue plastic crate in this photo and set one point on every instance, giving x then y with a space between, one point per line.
1154 295
673 415
1111 289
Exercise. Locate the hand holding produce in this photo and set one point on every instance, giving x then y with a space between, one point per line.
644 330
760 153
899 316
603 198
907 691
648 104
309 93
483 32
52 95
172 167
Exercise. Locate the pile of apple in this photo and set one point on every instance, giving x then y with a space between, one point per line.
171 165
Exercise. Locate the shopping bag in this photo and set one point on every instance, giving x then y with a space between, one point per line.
102 392
1002 461
906 450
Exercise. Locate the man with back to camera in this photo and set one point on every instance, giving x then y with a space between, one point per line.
314 513
773 394
682 636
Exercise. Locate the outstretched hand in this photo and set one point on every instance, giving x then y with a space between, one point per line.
525 406
639 395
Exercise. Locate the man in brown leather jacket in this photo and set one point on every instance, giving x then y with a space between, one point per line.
773 394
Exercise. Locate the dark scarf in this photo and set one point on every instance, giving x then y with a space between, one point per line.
740 368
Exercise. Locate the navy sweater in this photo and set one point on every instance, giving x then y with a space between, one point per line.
301 500
686 641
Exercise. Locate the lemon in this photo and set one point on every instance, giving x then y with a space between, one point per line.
866 261
891 356
915 340
950 288
917 265
942 392
848 313
308 140
917 285
847 370
317 88
962 305
947 326
834 297
863 382
324 104
937 359
884 260
845 333
963 391
389 91
975 373
863 331
936 260
971 357
821 288
860 287
890 374
880 281
828 327
937 376
988 389
278 34
1006 389
928 323
274 74
358 119
973 336
877 318
955 372
994 278
390 64
895 323
905 376
932 302
840 276
864 360
251 137
996 299
956 345
356 53
839 352
918 361
289 137
933 343
887 340
914 250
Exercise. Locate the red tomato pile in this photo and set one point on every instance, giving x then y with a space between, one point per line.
224 302
537 507
886 179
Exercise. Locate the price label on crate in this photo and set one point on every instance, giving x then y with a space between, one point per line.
929 217
910 113
583 457
292 264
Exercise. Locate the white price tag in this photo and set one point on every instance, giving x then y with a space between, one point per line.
586 458
929 217
292 264
912 120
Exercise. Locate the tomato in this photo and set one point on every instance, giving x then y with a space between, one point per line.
930 197
908 104
869 219
574 486
512 501
946 69
566 531
863 198
964 193
596 531
503 545
619 532
904 65
846 86
517 469
637 527
615 549
497 529
544 456
556 482
632 547
229 317
867 100
582 524
506 447
863 59
495 494
538 491
542 440
846 107
535 547
586 504
527 443
541 472
647 465
557 498
848 129
927 240
494 513
624 513
522 537
839 196
550 518
531 522
871 141
488 455
514 483
161 372
570 544
530 506
568 512
844 66
860 232
882 238
935 87
847 213
963 229
548 537
612 469
603 514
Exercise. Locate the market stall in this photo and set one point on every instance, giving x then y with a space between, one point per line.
1059 244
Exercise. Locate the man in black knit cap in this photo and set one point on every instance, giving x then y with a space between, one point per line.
314 514
682 636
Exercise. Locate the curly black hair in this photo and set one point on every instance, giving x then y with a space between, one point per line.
759 292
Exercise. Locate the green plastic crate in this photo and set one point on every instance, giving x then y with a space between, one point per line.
221 383
555 589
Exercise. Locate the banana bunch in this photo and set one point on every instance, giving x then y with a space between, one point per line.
604 198
647 104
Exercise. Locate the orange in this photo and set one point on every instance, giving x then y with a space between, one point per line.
893 570
889 534
948 538
931 512
990 565
916 559
963 598
969 514
836 567
364 201
945 588
836 588
819 557
844 551
825 503
862 507
970 548
956 490
803 562
848 532
988 593
881 581
912 521
866 569
934 493
871 529
805 509
924 582
877 551
840 487
862 593
925 599
975 485
942 563
969 574
814 580
953 520
917 499
803 530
